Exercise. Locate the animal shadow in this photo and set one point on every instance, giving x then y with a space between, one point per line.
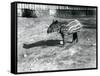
43 43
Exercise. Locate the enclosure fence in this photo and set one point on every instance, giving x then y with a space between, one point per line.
38 10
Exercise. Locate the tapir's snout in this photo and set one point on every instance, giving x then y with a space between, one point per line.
48 31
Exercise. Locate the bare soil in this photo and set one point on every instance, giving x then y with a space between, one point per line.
39 51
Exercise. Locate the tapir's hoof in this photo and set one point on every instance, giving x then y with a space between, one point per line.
75 41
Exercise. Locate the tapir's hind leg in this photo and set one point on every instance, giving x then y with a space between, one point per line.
75 37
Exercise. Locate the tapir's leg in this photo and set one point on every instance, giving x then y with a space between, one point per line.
75 37
63 38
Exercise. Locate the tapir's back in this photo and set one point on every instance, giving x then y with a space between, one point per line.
71 26
74 26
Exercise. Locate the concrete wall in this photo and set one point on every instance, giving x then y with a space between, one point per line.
75 13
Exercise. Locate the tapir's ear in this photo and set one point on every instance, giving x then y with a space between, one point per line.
56 21
53 20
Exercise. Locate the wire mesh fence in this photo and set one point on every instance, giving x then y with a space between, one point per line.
39 10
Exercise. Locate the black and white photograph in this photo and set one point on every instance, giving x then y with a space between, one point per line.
54 37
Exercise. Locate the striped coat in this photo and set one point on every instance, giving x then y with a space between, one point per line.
71 27
64 29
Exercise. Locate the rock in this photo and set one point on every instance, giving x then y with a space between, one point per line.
88 39
25 55
94 44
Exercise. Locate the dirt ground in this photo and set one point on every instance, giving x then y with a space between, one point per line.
39 51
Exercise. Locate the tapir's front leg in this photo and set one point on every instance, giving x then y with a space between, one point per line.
62 42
